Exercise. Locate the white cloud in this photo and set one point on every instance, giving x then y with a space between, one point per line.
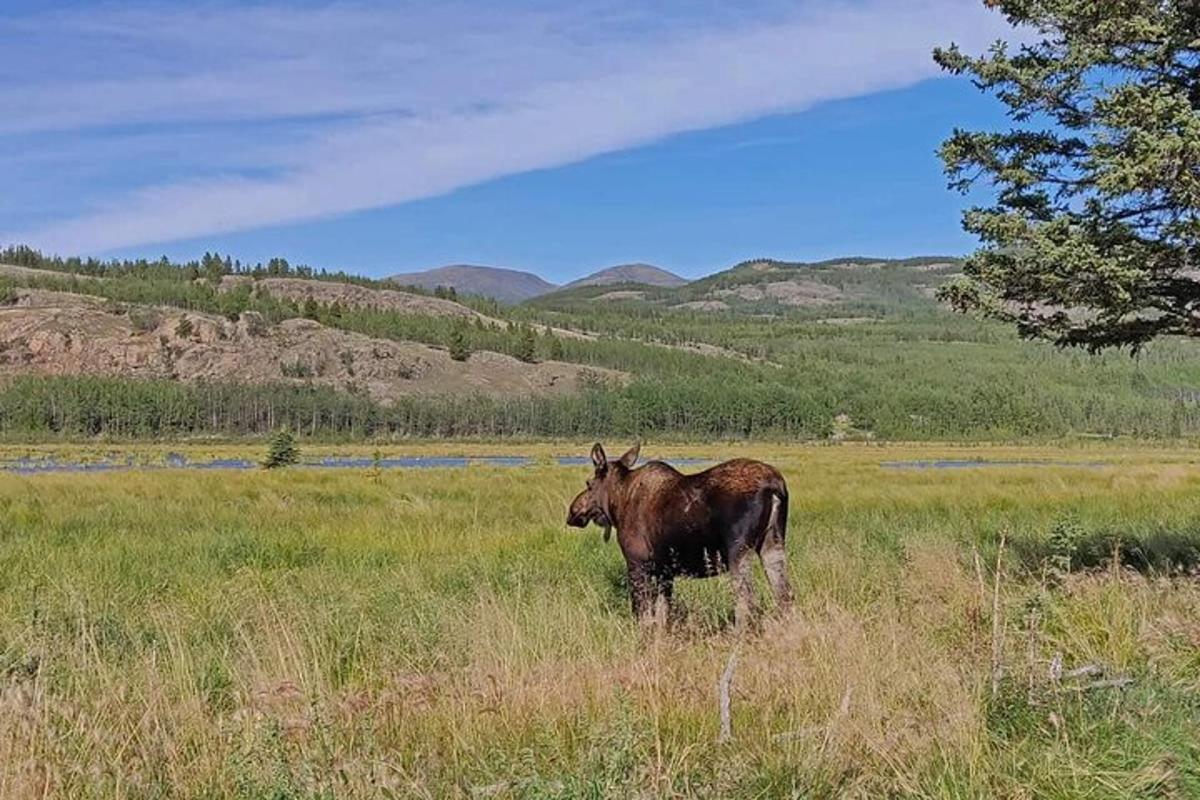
390 104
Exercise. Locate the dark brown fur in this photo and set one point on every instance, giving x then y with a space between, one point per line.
670 524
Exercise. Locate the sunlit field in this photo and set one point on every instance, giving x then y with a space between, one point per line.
306 633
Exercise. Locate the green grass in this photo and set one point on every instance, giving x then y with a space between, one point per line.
306 633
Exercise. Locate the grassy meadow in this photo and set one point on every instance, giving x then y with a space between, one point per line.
307 633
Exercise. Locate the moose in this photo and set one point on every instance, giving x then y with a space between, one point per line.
670 524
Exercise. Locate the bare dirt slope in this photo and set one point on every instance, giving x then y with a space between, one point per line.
788 293
64 334
621 294
704 305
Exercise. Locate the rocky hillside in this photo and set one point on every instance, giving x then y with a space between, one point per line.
60 333
505 285
157 321
824 288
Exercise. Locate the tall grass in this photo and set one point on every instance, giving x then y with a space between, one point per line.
307 633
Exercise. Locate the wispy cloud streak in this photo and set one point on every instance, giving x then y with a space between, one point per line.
284 114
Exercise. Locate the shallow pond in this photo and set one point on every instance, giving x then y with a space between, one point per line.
31 466
973 463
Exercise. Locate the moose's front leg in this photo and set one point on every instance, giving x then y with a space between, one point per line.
664 588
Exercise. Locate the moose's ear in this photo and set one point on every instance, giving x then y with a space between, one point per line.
598 458
631 456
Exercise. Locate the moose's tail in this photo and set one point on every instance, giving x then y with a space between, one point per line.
777 520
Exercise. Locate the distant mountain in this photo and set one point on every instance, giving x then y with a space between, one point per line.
630 273
506 285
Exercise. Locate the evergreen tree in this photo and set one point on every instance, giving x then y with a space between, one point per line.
282 451
554 349
1093 238
526 345
212 267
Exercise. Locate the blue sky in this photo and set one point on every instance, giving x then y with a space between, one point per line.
383 137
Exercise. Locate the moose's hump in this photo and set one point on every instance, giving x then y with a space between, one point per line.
655 475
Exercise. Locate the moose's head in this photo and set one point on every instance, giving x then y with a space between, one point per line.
594 504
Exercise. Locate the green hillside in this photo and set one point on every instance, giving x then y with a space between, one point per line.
848 347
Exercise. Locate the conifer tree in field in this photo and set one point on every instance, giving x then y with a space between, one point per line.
526 344
555 348
282 451
213 267
1092 237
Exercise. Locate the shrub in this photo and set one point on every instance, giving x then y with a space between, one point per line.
184 328
143 319
1064 542
459 349
296 369
254 322
311 310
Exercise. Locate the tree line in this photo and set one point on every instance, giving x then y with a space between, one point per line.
70 407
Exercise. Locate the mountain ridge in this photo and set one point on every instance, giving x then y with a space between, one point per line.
501 283
514 286
634 272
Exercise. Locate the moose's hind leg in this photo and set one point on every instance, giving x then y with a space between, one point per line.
774 560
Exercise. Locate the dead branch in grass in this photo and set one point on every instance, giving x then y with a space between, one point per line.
998 619
723 702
